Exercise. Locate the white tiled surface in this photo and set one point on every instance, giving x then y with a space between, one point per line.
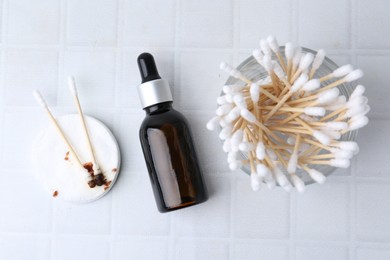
43 41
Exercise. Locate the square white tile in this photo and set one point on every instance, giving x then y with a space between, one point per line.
18 247
201 80
258 19
128 137
318 28
205 23
92 219
140 248
193 222
192 249
259 250
94 72
21 126
91 22
372 20
28 70
37 23
372 253
26 207
69 247
372 211
374 137
149 23
375 80
323 212
1 22
134 208
130 78
263 214
321 253
208 145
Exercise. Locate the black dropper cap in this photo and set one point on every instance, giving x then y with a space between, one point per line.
147 67
153 89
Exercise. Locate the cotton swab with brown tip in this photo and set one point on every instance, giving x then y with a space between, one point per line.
41 101
98 177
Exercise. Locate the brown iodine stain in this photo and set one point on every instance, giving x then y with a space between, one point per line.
55 193
89 167
67 156
97 180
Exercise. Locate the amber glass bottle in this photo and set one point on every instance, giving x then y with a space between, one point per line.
167 144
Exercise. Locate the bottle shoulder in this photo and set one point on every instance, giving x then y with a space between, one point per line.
171 116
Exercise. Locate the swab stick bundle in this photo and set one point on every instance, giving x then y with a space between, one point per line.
292 120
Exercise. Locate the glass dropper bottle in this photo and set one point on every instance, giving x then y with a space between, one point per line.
167 144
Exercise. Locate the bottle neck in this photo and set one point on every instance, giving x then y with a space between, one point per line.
158 108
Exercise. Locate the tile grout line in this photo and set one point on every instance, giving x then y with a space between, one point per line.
293 198
233 187
61 41
2 75
352 198
120 7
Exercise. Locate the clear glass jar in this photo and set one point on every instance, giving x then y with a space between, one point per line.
254 71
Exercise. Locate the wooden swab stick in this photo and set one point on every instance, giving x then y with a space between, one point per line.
339 72
43 104
73 90
354 75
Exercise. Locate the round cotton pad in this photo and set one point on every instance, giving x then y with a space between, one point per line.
57 170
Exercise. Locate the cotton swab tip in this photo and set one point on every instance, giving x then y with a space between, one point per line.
258 55
38 97
337 125
273 43
246 147
212 123
254 91
224 109
260 151
72 85
264 46
354 75
342 71
321 137
343 154
316 176
247 115
341 163
298 183
349 145
267 63
280 177
262 170
235 165
255 181
358 91
328 96
311 85
292 163
303 78
319 58
289 50
306 61
314 111
358 122
297 56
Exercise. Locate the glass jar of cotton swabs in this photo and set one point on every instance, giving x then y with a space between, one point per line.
288 116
